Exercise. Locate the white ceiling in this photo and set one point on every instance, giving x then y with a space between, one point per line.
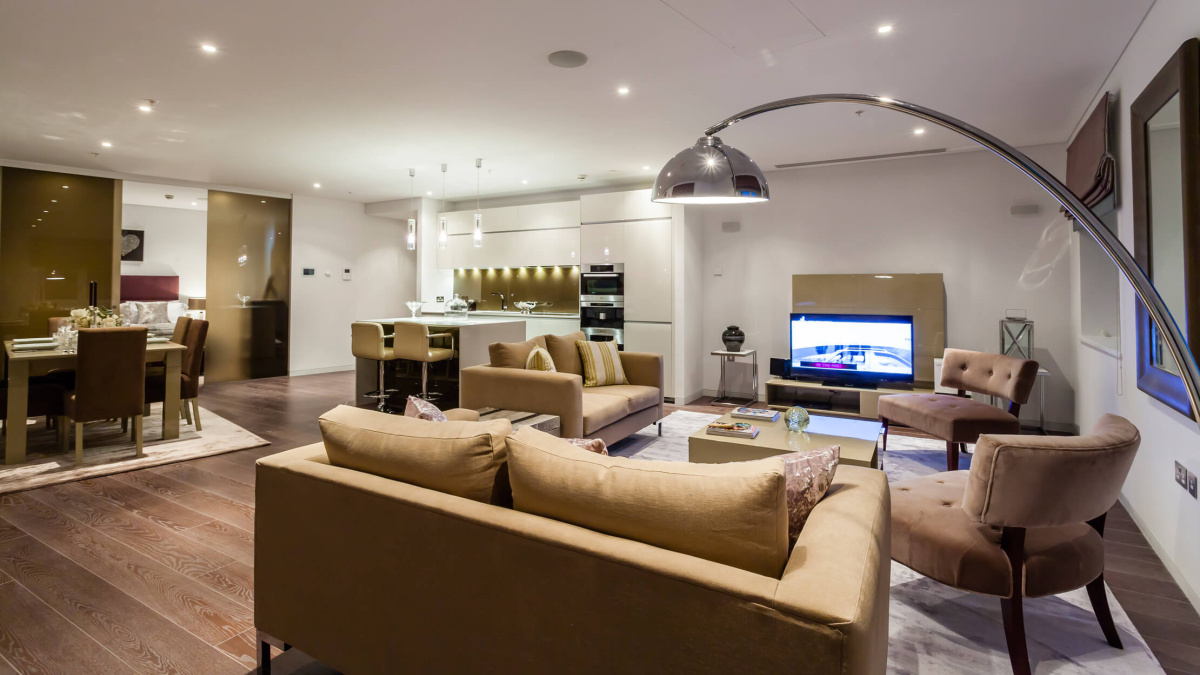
169 196
350 94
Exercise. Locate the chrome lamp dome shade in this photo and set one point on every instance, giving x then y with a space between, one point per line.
710 172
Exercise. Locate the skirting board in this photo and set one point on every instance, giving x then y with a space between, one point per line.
1167 561
318 371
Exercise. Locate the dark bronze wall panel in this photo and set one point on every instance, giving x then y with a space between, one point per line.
249 286
53 241
556 285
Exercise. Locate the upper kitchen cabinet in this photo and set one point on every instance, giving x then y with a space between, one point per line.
602 243
552 216
618 206
514 236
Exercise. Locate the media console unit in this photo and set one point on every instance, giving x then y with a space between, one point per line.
841 401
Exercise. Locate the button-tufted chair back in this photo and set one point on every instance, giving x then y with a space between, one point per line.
1046 481
1008 377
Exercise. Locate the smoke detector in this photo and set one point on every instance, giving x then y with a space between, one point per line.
567 59
581 177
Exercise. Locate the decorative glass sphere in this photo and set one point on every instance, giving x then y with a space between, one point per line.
797 418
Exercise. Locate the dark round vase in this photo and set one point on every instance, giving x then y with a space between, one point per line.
733 337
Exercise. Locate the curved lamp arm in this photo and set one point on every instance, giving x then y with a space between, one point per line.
1083 215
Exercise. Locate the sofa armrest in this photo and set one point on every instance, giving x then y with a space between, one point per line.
643 368
461 415
533 391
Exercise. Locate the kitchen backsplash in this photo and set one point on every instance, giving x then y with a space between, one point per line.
558 287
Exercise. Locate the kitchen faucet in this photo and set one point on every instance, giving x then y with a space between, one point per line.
503 301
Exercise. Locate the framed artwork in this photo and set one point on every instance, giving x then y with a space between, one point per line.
133 245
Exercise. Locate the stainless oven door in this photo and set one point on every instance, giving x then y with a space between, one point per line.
602 287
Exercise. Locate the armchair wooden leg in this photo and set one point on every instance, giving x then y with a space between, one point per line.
1012 541
951 456
79 444
137 434
1099 600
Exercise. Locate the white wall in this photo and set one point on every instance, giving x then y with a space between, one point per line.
1168 516
176 242
330 235
947 214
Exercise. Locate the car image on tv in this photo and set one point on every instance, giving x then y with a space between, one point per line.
852 348
861 357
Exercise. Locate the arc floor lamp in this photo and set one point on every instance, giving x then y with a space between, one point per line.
711 172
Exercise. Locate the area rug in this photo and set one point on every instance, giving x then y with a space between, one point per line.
108 450
934 629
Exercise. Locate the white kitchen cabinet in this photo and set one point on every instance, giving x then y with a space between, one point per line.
654 338
552 216
639 207
541 325
647 270
602 243
616 206
527 248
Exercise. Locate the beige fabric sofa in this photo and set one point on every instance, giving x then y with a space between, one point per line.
373 575
609 413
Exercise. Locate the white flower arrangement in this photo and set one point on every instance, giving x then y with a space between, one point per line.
95 317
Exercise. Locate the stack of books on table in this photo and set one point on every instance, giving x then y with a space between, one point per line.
734 429
759 414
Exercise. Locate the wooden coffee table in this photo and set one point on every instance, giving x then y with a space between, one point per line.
858 438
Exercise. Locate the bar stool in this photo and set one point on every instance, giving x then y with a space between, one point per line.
411 343
367 342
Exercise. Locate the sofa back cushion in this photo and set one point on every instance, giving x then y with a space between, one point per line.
458 458
513 354
735 514
564 352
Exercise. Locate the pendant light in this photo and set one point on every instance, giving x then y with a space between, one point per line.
477 232
411 240
443 235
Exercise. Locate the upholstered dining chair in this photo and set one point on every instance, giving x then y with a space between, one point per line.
1026 521
189 374
110 380
56 322
959 420
411 342
45 399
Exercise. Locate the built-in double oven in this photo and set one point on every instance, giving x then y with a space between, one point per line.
602 302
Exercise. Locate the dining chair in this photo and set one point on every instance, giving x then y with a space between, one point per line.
45 399
110 381
189 375
56 322
1027 521
179 337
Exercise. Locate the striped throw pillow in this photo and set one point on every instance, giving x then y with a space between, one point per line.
601 363
539 359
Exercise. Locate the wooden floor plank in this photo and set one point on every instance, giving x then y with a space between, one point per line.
155 483
36 639
9 531
156 509
1122 581
222 508
1181 657
144 641
204 480
243 648
235 580
1176 610
229 540
166 547
202 611
223 466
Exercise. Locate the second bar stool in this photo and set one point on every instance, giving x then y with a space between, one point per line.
411 343
367 342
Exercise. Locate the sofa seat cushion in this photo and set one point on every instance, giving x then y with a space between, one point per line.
640 397
458 458
601 410
932 534
951 418
734 514
513 354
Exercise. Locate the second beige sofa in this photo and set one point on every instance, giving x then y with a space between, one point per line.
609 413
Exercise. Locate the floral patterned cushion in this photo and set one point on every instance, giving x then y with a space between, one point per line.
422 409
151 313
590 444
808 475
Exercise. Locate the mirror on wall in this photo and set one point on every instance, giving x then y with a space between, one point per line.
1165 121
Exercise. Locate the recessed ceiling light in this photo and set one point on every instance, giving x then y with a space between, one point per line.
918 131
622 90
646 168
106 144
316 185
211 49
429 193
524 182
884 30
147 105
195 204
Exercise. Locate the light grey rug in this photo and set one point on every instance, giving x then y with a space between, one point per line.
934 629
108 450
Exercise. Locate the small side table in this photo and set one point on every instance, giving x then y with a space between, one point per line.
726 357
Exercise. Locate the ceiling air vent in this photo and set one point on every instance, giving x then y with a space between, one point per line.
864 158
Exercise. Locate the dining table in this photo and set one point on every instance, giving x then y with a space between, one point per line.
21 363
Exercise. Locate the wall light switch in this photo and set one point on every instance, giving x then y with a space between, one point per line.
310 272
1181 475
1191 485
441 298
346 274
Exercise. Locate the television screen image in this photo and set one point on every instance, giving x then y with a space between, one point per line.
852 348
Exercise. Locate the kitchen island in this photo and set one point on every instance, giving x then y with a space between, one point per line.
471 335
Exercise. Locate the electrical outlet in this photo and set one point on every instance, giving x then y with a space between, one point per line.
441 298
1181 475
1191 484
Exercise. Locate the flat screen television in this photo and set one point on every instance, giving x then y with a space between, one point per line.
852 349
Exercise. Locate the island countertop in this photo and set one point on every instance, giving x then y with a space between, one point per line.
449 320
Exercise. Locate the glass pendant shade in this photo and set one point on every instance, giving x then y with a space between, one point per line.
411 239
443 235
477 232
710 172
